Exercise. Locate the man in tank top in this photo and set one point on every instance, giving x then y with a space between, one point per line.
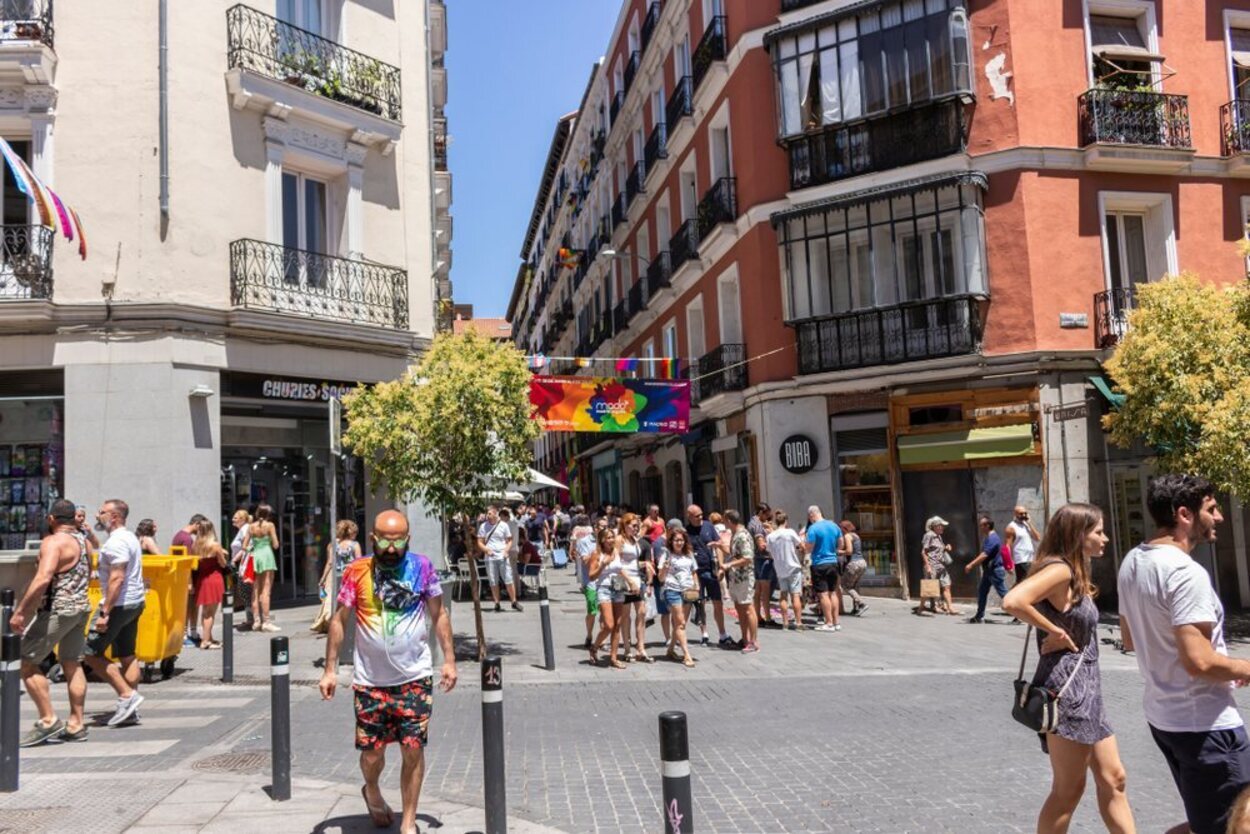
1021 539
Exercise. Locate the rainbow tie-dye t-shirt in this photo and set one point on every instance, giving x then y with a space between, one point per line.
392 641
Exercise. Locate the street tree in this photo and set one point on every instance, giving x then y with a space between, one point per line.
1184 370
454 430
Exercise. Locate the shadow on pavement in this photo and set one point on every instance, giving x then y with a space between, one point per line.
359 823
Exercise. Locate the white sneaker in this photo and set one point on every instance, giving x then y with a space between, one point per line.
125 708
826 627
837 628
269 627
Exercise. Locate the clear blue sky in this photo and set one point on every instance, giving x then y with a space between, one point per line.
513 68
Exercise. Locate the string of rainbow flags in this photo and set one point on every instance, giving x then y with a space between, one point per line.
665 367
53 212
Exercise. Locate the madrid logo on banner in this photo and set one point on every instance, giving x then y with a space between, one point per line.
611 405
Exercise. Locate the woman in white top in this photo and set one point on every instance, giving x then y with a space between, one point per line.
679 573
638 573
605 573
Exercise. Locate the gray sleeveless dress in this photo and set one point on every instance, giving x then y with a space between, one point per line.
1082 717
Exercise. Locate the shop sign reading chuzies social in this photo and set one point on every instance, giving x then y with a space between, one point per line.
259 386
798 454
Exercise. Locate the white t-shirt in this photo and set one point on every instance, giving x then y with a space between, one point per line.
496 538
1161 588
1023 548
583 546
681 570
784 545
122 552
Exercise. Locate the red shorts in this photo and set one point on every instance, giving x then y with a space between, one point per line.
386 714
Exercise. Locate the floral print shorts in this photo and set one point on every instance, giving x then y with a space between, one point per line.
386 714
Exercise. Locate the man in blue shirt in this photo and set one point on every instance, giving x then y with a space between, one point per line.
992 573
824 543
706 541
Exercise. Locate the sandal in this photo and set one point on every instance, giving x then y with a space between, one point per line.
382 817
671 654
211 644
688 662
594 655
645 658
616 664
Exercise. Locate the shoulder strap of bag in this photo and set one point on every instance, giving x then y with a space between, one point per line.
1080 658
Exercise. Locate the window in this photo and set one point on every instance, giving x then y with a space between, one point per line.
1121 57
304 228
914 245
16 206
694 329
892 55
730 308
682 58
306 14
1139 240
1126 249
670 341
1239 41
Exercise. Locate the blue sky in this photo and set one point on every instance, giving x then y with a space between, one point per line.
513 68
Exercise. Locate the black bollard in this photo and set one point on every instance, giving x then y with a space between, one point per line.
280 717
227 637
675 773
492 746
8 601
10 709
544 611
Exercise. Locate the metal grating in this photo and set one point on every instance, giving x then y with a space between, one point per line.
254 761
30 820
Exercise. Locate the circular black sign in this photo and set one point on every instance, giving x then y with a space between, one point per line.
798 454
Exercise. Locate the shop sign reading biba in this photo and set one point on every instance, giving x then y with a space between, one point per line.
798 454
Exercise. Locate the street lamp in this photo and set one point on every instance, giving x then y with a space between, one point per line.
614 254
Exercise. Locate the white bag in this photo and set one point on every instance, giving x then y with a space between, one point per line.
652 613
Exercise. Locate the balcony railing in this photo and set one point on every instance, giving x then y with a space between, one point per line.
888 335
685 244
650 22
267 46
617 101
719 205
25 262
1111 312
791 5
656 147
637 298
658 273
440 144
1235 127
1129 117
266 276
620 208
721 369
26 20
631 69
713 47
877 145
680 103
620 316
634 182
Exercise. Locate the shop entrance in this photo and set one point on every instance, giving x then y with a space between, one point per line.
949 493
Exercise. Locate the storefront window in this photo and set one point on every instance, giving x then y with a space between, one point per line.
32 464
867 496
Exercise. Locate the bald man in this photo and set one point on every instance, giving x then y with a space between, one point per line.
392 594
1021 538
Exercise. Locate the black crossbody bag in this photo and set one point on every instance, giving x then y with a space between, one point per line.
1037 707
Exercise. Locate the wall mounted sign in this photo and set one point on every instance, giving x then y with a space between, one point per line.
263 387
798 454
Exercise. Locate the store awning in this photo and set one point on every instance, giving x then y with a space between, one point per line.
1104 388
967 445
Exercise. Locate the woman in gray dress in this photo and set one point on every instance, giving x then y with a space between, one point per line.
1058 600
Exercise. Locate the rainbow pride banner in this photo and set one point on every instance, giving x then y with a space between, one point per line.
611 405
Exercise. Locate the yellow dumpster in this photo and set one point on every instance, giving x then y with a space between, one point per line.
164 617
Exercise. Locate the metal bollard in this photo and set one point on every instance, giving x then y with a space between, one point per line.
8 601
492 746
10 709
544 611
675 773
227 637
280 715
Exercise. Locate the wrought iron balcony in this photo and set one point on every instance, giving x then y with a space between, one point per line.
720 370
1129 117
440 144
916 330
615 107
658 273
680 103
266 276
631 69
634 182
791 5
1111 313
713 47
637 298
267 46
1235 127
656 147
25 262
878 144
719 205
620 208
650 22
26 20
685 244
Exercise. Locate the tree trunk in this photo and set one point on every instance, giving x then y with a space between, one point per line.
471 551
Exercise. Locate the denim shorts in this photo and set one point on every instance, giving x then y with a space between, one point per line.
607 596
672 599
661 600
792 584
764 570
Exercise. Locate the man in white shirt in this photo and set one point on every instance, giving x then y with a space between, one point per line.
494 540
115 623
786 549
1021 539
1170 615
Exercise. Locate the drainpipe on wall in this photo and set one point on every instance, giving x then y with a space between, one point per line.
163 26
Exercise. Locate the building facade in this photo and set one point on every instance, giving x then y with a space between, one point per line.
893 242
265 194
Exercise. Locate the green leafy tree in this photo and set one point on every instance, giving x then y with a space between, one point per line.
454 429
1184 370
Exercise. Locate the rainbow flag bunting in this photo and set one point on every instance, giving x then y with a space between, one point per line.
52 210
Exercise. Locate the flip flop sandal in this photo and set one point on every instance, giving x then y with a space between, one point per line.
382 817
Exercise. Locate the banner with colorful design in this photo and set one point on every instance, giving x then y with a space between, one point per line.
611 405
